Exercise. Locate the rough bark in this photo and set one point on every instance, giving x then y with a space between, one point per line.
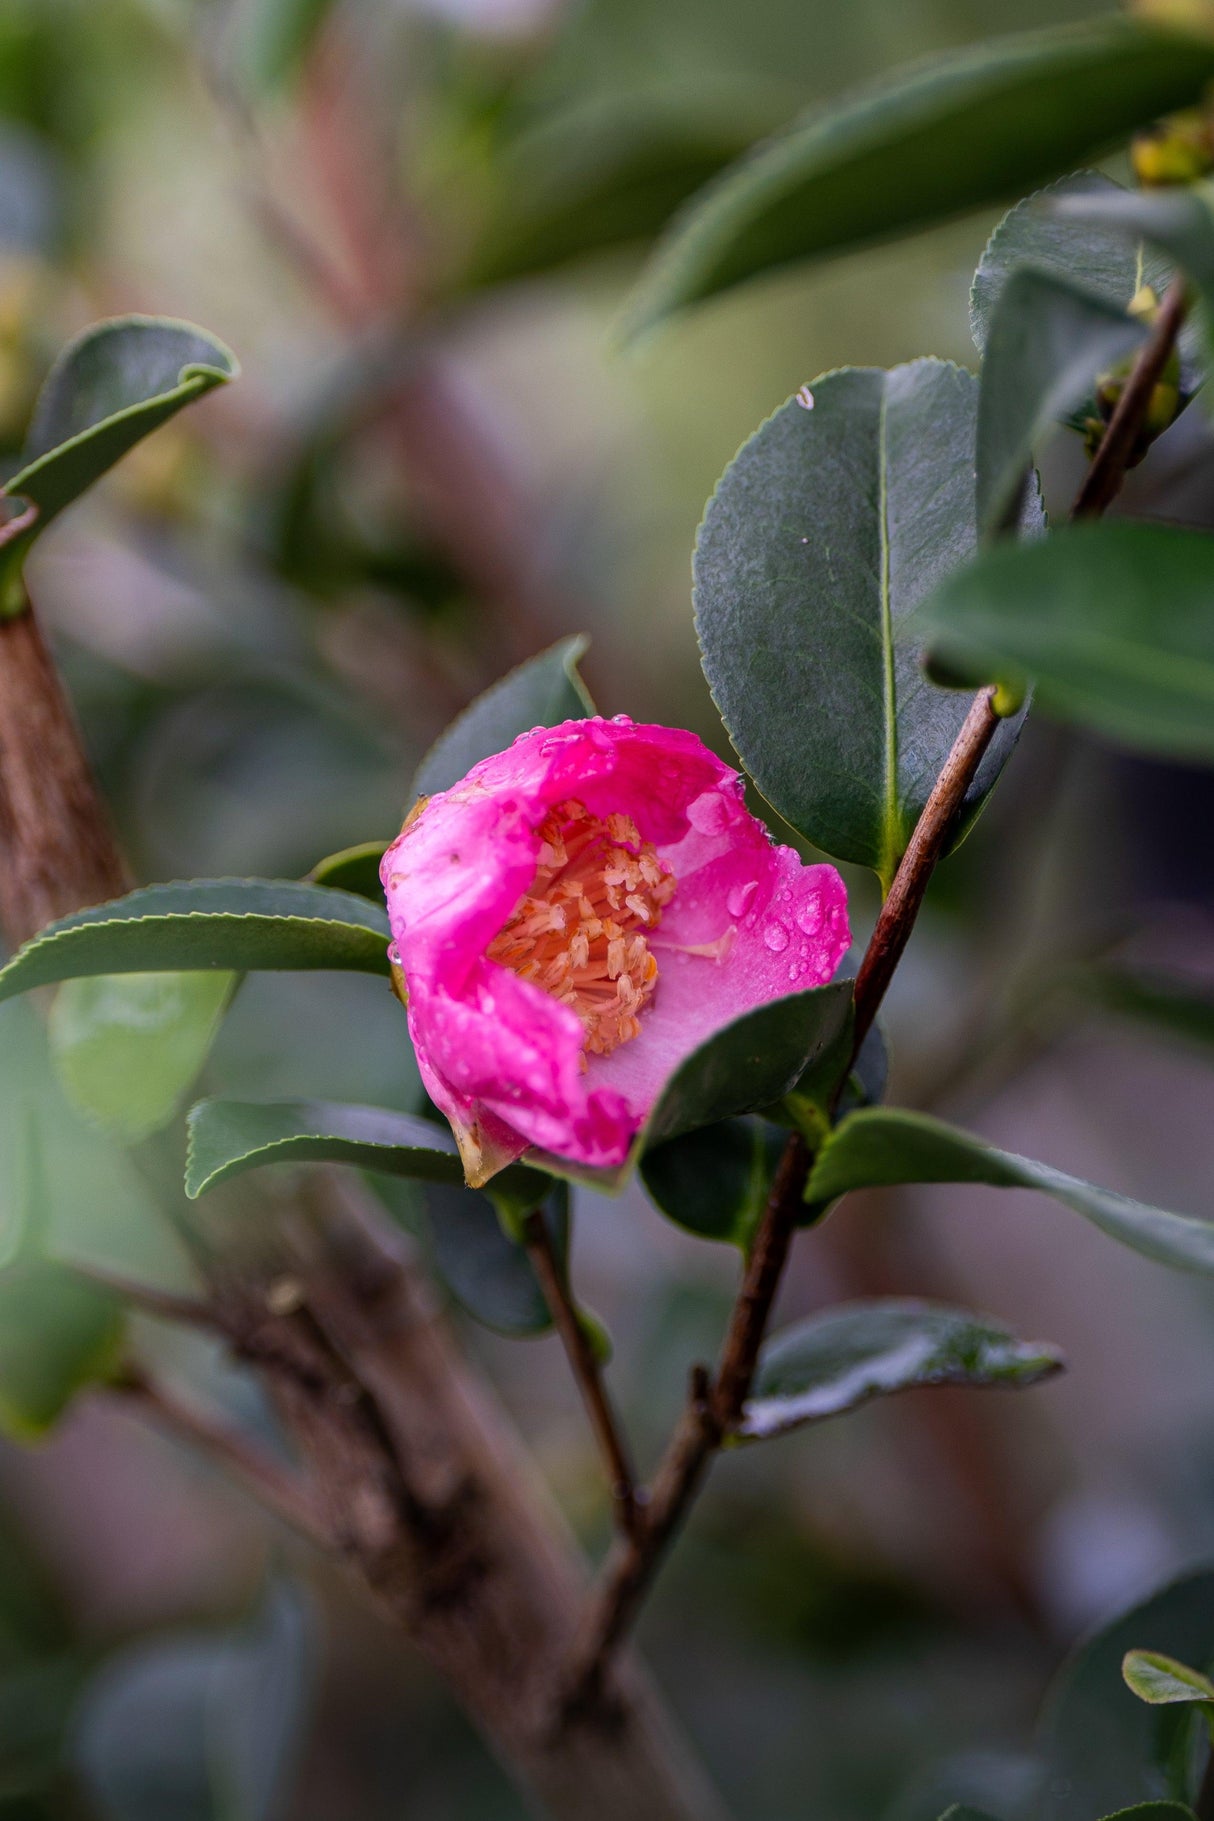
425 1488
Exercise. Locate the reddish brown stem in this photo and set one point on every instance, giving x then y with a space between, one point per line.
586 1370
1104 478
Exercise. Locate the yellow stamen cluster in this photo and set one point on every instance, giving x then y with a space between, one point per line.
580 931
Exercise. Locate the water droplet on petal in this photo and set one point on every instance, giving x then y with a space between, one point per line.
809 917
776 937
740 896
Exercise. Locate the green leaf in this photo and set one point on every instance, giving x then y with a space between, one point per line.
1180 220
715 1181
953 133
58 1334
960 1811
849 1354
354 869
1161 1680
1048 343
827 529
127 1047
1178 1008
1110 621
233 924
541 693
228 1137
111 387
750 1063
272 39
1154 1811
884 1146
1090 253
206 1726
1101 1747
489 1275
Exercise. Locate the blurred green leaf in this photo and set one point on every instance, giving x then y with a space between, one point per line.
354 869
847 1355
1176 1007
1111 622
111 387
1161 1680
206 924
228 1137
127 1047
827 529
715 1181
58 1334
1048 342
487 1273
272 38
885 1146
541 693
960 1812
203 1727
950 134
1154 1811
1100 1746
1179 220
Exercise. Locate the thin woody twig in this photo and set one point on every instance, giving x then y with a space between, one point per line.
713 1409
1107 472
275 1488
586 1370
166 1305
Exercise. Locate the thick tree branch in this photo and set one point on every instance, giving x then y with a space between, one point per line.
586 1370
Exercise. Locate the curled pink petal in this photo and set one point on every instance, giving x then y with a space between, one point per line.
633 906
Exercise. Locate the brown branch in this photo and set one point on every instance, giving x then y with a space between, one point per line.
275 1488
165 1305
1104 478
584 1363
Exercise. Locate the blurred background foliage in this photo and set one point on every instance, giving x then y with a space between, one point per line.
415 221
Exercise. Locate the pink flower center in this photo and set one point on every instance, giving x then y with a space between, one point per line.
580 931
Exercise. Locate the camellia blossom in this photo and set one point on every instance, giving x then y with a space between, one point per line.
575 917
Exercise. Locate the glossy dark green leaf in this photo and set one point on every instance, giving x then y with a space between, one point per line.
750 1063
847 1355
353 869
128 1047
205 1726
1162 1681
228 1137
489 1275
884 1146
715 1181
946 135
1173 1006
206 923
541 693
828 528
1180 221
1048 342
1090 253
1111 622
1101 1747
111 387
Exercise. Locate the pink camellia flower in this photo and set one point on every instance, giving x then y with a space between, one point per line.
575 917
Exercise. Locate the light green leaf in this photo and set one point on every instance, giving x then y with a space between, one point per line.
230 924
228 1137
111 387
824 533
1047 344
541 693
1161 1680
950 134
847 1355
715 1181
127 1047
58 1334
884 1146
1111 622
1101 1747
354 869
